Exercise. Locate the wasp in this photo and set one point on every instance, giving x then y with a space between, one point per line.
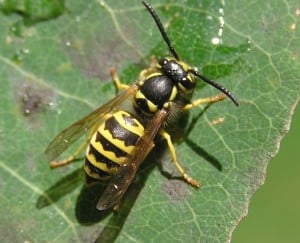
122 137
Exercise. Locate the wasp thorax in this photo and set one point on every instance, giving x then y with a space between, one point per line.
179 73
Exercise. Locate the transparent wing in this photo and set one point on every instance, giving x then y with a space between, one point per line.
68 136
120 182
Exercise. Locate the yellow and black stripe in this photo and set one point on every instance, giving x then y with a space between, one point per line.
110 145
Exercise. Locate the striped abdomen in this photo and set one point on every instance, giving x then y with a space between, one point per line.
111 144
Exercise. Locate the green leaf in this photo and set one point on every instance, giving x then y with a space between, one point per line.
56 71
33 11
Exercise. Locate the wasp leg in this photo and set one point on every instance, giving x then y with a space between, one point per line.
153 62
56 164
207 100
189 179
116 80
148 71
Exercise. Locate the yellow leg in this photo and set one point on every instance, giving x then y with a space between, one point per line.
117 81
148 71
153 62
56 164
207 100
189 179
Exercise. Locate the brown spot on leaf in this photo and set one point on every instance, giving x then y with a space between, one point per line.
176 190
31 98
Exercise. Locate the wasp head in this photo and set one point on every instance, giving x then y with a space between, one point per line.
179 73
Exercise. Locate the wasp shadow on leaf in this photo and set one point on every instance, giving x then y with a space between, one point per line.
204 154
64 186
88 214
85 210
113 228
196 148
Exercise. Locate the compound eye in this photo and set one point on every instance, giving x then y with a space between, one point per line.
187 84
162 62
183 80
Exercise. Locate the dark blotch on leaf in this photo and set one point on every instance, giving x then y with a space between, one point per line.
176 190
32 98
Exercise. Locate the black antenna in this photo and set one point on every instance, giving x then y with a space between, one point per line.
217 86
161 29
174 53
